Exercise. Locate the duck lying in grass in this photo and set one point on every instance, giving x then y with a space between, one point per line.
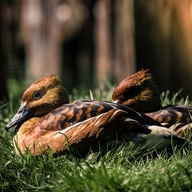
46 120
141 93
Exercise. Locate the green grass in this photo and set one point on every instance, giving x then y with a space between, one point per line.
118 170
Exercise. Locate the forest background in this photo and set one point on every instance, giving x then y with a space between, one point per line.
88 43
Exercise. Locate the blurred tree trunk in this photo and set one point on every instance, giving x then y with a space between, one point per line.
124 45
114 32
153 32
102 42
181 46
42 25
3 85
163 42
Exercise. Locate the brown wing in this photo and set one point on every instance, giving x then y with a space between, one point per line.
112 125
78 137
72 113
172 114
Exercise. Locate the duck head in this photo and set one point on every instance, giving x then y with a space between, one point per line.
139 92
39 99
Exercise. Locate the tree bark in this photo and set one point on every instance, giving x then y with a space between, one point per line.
103 42
124 45
114 31
42 26
163 42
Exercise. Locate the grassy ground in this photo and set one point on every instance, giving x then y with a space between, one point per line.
118 170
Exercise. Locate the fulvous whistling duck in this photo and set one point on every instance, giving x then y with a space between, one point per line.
46 120
141 93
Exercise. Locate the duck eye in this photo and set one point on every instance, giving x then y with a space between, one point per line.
37 95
